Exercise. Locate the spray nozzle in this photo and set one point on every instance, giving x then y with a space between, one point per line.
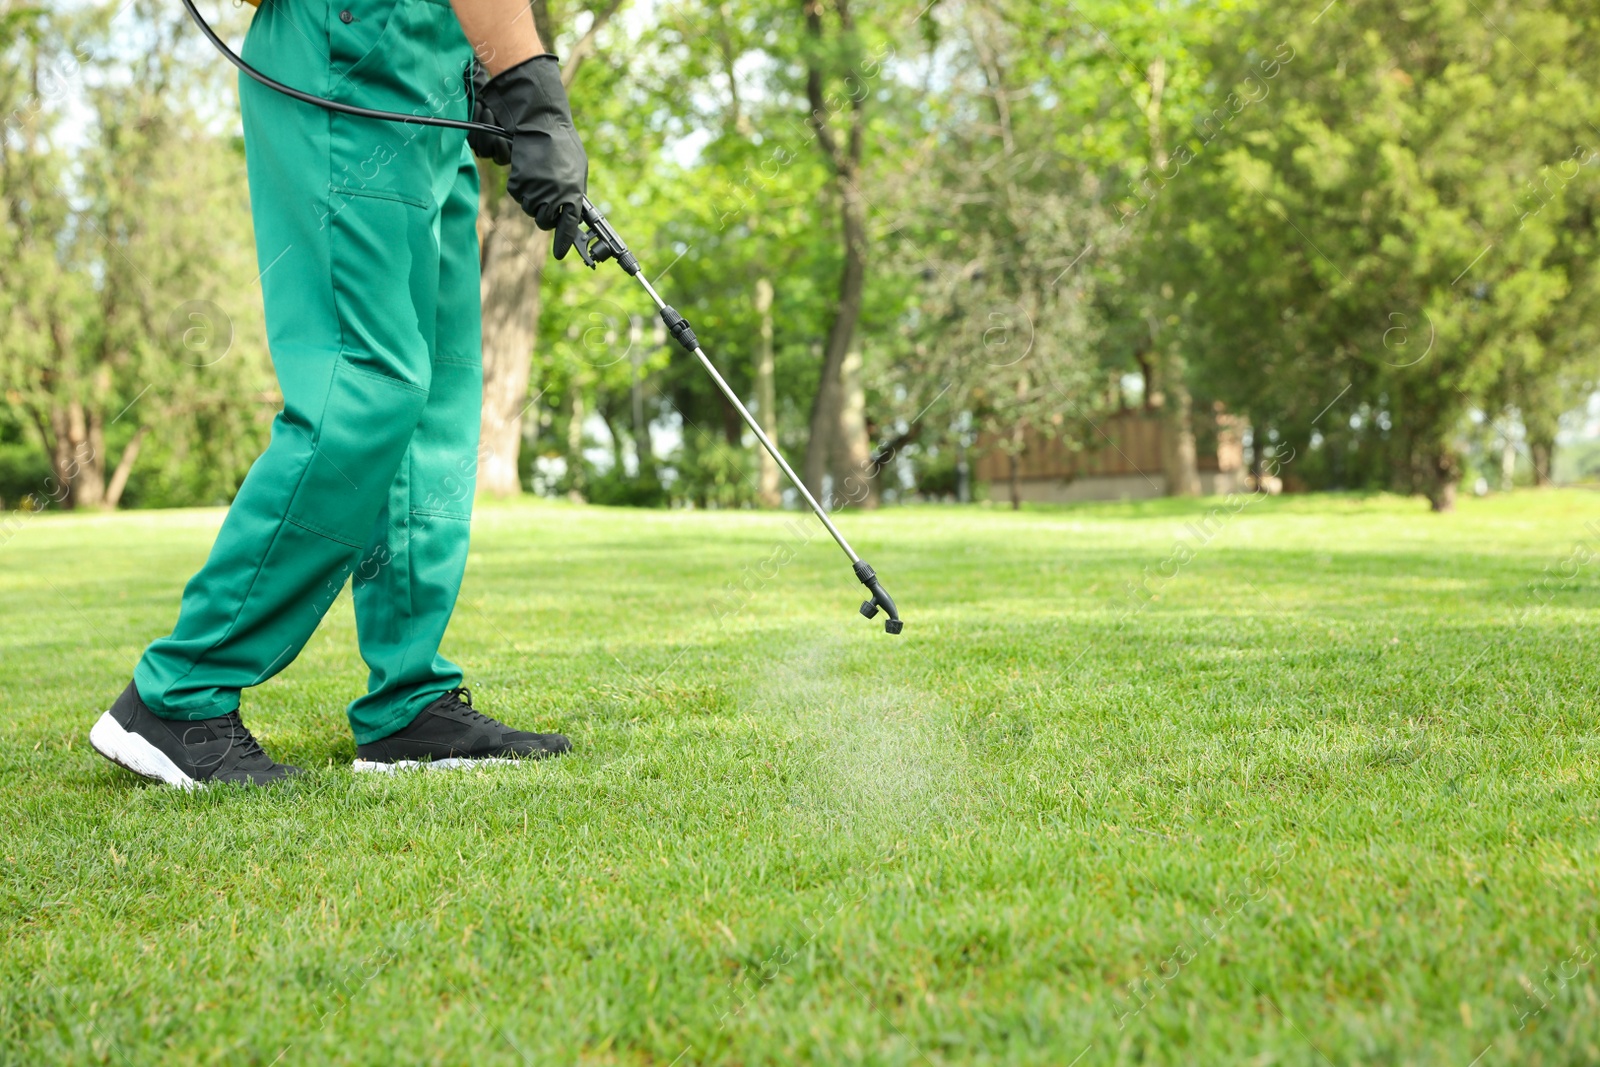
880 598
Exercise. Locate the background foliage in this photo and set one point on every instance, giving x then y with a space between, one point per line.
1014 214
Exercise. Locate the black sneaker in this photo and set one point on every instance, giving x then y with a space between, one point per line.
450 733
183 753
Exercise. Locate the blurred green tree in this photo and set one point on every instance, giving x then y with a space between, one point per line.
1359 264
127 328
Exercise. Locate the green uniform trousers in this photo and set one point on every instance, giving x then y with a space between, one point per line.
366 238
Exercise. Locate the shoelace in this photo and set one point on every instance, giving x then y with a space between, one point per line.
242 739
465 696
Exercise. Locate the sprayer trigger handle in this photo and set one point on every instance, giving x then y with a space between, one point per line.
582 244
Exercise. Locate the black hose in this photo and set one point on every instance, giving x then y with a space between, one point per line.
333 105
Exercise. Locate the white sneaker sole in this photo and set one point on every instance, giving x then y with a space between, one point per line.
134 753
366 766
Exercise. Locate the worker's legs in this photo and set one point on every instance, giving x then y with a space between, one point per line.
408 578
348 216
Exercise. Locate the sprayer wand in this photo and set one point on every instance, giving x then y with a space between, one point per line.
597 243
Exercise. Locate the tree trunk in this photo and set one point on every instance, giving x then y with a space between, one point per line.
769 490
1019 442
512 254
825 406
1443 474
119 478
1147 374
854 480
643 452
1258 446
1508 464
1541 450
1177 424
845 159
617 451
78 458
1156 87
732 424
576 486
963 471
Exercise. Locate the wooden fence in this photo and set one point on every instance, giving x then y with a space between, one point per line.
1125 443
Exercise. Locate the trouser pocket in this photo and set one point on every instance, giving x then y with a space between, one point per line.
412 67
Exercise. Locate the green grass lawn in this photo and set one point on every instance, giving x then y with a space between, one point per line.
1321 789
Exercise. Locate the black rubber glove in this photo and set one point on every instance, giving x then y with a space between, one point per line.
549 170
484 145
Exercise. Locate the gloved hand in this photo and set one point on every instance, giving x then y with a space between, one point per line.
484 145
549 170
